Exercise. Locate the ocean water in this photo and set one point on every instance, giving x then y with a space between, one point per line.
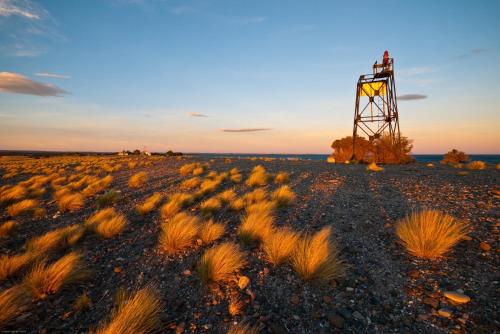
423 158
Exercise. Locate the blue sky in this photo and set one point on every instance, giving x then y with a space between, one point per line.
279 75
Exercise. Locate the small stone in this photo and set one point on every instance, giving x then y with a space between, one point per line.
336 321
445 313
358 316
296 317
295 299
467 238
414 274
187 272
485 246
118 269
349 289
457 297
243 282
434 303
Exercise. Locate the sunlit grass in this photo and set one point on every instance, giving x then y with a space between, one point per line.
430 234
280 245
476 165
283 196
107 223
374 168
22 207
258 177
257 225
210 206
191 183
316 257
140 313
178 233
138 180
220 262
210 231
243 328
12 194
14 302
149 204
7 228
227 196
55 239
70 202
281 177
10 265
46 279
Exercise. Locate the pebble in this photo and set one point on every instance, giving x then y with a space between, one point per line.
349 289
187 272
295 299
445 313
358 316
336 320
457 297
243 282
118 269
485 246
431 301
327 299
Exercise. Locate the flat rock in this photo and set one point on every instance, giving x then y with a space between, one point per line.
444 312
457 297
243 282
485 246
336 321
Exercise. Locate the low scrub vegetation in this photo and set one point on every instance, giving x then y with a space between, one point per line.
258 177
12 264
220 262
476 165
138 180
108 198
373 167
191 183
46 279
179 233
243 328
227 196
140 313
281 177
280 245
149 204
55 239
210 206
7 228
430 234
70 202
316 257
21 207
455 157
210 231
283 196
257 225
107 223
14 302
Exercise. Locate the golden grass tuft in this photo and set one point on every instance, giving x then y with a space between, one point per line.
210 206
374 168
12 264
12 194
220 262
46 279
55 239
236 178
198 171
22 207
137 180
210 231
257 225
14 302
283 196
179 233
209 186
280 245
149 204
258 177
227 196
256 196
430 234
7 228
140 313
281 177
476 165
97 186
170 209
191 183
188 168
70 202
316 257
243 328
108 198
235 306
237 204
107 223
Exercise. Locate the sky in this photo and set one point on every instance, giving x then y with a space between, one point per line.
242 76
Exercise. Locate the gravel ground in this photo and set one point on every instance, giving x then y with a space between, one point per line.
385 290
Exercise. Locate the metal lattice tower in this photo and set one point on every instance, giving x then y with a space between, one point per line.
376 110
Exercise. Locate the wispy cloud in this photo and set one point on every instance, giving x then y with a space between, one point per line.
410 97
23 8
249 20
471 53
19 84
246 130
197 114
52 75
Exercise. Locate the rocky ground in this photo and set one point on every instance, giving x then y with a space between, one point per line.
385 290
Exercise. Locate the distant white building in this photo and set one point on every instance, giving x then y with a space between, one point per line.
123 153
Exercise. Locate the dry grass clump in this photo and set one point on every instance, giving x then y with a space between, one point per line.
175 204
12 194
374 168
70 202
280 245
183 199
191 183
12 264
188 168
97 186
235 306
476 165
7 228
283 196
257 225
55 239
149 204
108 198
220 262
227 196
281 177
237 204
14 302
210 206
210 231
430 234
179 233
209 186
316 257
107 223
243 328
137 180
22 207
46 279
140 313
262 206
132 164
258 177
198 171
235 176
256 196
